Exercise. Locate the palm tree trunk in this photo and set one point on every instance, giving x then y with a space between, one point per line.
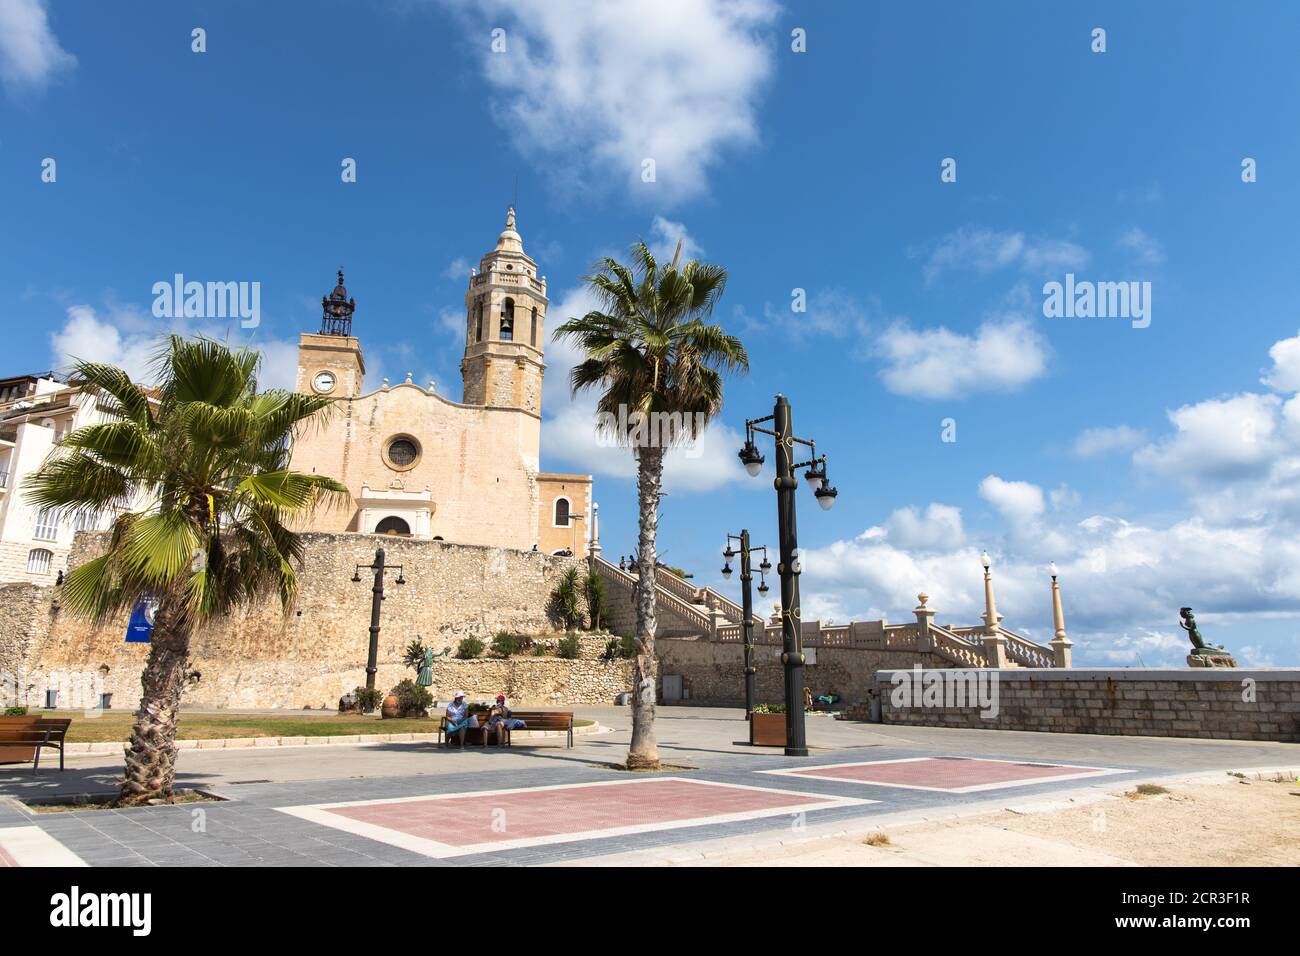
644 751
151 752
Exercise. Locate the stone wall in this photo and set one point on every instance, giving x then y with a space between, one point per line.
1239 704
714 673
310 655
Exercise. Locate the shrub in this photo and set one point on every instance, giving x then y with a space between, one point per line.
414 656
15 712
469 648
593 589
566 600
506 644
568 648
770 709
539 650
367 698
412 699
617 648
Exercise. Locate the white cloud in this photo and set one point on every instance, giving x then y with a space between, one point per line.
1285 373
1019 502
1093 442
130 339
457 270
664 236
987 250
30 54
601 85
1218 439
1147 250
1001 356
938 528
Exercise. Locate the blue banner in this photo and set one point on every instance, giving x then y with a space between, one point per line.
140 628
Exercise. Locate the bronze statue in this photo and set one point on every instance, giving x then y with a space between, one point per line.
1200 648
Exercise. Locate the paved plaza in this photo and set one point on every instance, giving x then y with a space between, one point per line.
412 804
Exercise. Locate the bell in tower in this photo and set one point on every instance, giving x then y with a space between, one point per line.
505 328
336 311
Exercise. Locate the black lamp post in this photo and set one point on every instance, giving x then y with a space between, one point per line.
372 661
789 565
747 603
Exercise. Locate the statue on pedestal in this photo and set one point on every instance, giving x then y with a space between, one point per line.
1203 654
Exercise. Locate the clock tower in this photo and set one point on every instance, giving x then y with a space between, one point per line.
330 361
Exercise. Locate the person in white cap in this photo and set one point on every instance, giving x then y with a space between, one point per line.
459 719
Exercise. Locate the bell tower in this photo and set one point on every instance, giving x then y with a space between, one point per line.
330 361
505 328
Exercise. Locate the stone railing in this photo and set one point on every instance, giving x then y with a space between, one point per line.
1025 652
956 648
680 607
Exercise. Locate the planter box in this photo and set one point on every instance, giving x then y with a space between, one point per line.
767 730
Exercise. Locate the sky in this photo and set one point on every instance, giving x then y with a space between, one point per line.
915 175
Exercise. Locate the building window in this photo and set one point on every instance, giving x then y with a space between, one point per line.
532 338
508 321
393 525
86 521
478 329
47 525
402 453
38 561
561 512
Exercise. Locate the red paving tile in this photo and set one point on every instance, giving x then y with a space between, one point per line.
943 773
529 814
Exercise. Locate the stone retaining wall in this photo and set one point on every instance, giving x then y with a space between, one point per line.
1238 704
714 673
263 656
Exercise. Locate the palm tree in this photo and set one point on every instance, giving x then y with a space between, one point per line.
659 368
203 459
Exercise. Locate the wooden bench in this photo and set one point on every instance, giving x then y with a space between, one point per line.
534 719
23 738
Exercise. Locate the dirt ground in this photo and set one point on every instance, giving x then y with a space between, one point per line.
1233 823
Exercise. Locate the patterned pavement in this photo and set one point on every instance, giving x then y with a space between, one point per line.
411 805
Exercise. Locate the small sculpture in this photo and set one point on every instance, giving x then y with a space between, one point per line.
1203 654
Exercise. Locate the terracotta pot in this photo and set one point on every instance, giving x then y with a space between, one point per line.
767 730
390 708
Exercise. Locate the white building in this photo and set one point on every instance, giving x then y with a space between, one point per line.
35 412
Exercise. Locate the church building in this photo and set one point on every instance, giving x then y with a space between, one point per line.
418 464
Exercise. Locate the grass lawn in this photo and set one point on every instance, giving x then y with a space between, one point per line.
116 725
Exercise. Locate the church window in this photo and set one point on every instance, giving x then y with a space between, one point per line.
402 453
532 338
38 561
561 512
508 321
478 331
392 525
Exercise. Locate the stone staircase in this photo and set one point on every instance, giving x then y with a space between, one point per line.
687 611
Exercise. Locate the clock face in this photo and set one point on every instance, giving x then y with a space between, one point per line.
323 382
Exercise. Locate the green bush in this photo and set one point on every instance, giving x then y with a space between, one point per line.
15 712
539 650
367 698
412 699
593 589
617 648
469 648
568 648
566 600
770 709
505 644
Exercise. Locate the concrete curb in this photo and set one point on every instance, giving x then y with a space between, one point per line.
254 743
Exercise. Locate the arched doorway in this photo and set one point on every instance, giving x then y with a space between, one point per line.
393 525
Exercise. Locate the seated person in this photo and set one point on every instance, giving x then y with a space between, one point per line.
501 719
459 719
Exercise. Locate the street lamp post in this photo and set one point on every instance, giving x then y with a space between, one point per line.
789 566
747 603
376 600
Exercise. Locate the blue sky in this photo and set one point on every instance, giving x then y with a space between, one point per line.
1154 465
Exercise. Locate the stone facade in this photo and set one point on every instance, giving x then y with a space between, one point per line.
714 674
416 462
1248 704
262 656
